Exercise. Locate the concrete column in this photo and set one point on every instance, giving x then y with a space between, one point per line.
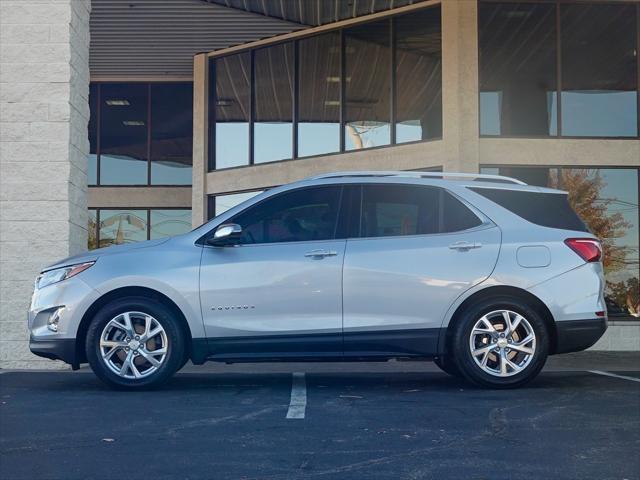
200 139
44 111
460 90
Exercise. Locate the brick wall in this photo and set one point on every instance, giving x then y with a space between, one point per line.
44 87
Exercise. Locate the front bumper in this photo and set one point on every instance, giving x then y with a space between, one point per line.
56 349
577 335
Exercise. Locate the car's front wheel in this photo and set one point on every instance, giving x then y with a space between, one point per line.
500 343
134 343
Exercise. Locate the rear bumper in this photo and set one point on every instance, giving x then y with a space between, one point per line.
59 349
577 335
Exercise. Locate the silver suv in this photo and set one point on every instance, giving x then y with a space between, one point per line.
485 275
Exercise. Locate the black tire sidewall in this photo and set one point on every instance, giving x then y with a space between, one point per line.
175 337
448 365
462 353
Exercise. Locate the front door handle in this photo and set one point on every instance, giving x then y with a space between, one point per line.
321 253
464 246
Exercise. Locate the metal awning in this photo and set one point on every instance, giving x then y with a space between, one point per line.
160 37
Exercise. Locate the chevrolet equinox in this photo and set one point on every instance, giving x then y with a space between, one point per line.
482 274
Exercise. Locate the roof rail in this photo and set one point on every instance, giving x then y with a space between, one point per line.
414 174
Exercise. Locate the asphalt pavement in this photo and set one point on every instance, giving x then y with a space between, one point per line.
580 419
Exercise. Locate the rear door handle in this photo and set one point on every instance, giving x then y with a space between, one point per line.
464 246
321 253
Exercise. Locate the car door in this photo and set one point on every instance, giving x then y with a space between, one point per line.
419 248
278 292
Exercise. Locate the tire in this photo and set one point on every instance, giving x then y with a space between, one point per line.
448 365
151 358
509 360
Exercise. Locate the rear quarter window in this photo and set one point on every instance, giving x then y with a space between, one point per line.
546 209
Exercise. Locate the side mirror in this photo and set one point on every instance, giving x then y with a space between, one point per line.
225 235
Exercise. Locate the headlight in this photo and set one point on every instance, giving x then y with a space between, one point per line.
60 274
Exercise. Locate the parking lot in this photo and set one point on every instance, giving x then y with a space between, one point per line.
360 421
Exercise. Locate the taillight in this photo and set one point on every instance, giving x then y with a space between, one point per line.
588 248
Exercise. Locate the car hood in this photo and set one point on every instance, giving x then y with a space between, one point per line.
101 252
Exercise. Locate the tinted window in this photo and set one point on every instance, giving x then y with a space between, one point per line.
455 215
123 134
171 133
367 86
273 127
518 83
418 76
545 209
297 216
599 70
319 95
232 81
396 210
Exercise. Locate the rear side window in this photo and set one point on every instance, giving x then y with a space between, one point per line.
456 216
397 210
546 209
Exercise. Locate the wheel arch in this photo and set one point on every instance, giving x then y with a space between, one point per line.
123 292
502 291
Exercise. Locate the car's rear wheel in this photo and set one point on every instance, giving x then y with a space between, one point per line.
500 343
134 343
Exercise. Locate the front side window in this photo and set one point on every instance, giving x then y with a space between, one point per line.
298 216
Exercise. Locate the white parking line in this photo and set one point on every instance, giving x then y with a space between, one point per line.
608 374
298 403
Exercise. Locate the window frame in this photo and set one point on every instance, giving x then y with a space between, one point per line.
211 66
98 113
558 4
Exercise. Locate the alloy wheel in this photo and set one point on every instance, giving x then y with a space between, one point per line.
502 343
133 345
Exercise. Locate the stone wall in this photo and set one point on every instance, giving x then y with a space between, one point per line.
44 111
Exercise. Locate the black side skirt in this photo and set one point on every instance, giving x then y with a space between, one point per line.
356 346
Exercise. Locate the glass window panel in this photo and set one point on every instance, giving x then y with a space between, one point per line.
297 216
368 72
171 133
607 200
167 223
599 70
397 210
123 134
232 110
418 76
518 80
92 172
319 95
225 202
273 103
122 226
92 229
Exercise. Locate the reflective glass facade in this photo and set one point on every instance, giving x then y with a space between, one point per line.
119 226
140 134
372 85
551 69
607 200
